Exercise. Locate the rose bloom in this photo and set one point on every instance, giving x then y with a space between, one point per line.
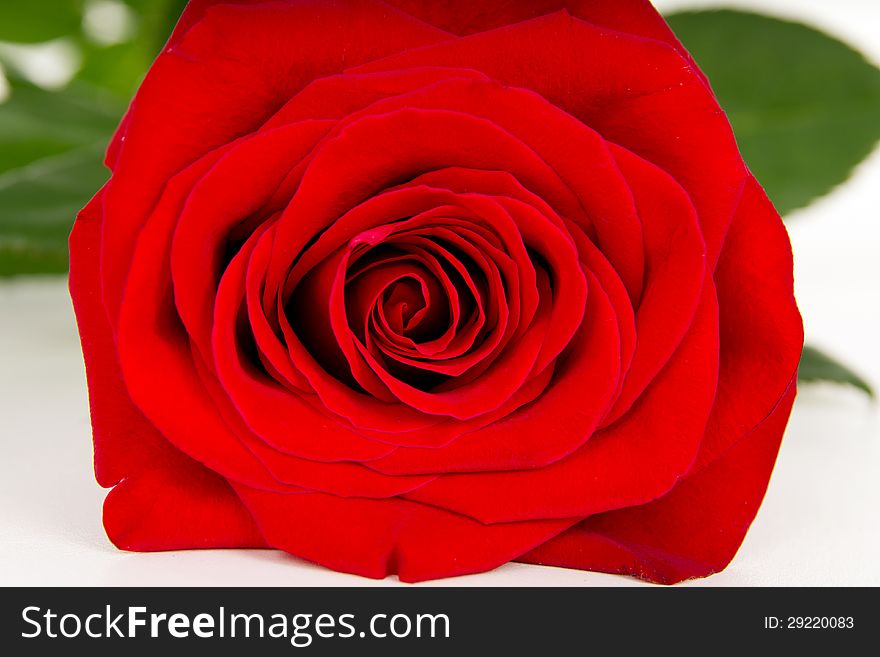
421 288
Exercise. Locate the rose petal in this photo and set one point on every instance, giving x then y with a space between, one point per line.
692 531
377 538
675 407
536 435
641 94
255 167
211 62
635 17
675 255
153 346
125 441
180 505
762 333
275 413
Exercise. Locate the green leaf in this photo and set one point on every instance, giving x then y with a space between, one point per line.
159 18
818 366
35 123
39 203
120 68
51 152
805 107
34 21
52 142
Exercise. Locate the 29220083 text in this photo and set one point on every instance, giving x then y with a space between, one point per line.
809 622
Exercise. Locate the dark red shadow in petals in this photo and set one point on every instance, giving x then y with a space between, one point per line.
408 308
165 127
403 433
591 480
566 278
558 253
570 302
416 205
415 541
692 531
387 420
496 386
153 346
268 341
395 300
308 313
275 413
468 314
386 319
254 167
394 330
396 343
562 420
499 278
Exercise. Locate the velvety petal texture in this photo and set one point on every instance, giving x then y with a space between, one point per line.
420 288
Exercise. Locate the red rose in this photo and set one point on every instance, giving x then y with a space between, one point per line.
422 287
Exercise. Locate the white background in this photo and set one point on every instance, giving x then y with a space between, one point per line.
819 525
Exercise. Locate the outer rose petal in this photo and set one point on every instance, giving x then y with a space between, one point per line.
125 441
376 538
636 17
693 531
177 506
761 330
165 500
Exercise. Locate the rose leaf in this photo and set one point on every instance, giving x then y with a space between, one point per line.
33 22
803 105
51 152
818 366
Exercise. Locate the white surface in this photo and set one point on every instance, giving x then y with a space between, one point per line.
819 524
